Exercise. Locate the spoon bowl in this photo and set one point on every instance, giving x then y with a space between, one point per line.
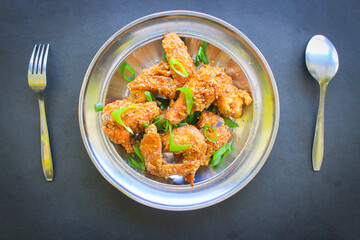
322 61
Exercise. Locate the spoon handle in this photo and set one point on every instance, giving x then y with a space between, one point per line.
318 144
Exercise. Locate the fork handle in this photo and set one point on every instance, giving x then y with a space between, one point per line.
46 159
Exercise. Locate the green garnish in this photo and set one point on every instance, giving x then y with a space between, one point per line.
174 147
164 58
156 120
207 126
117 117
213 109
149 96
167 125
137 151
204 44
193 118
162 125
125 66
136 163
173 63
98 107
230 123
188 97
183 123
164 102
201 55
220 154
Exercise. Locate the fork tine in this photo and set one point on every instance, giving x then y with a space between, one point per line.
41 59
37 60
31 63
45 59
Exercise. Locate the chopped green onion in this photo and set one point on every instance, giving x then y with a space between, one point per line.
162 125
173 63
149 96
220 154
207 126
137 151
159 126
193 118
213 109
204 44
117 117
167 125
156 120
136 163
197 60
174 147
98 107
201 55
164 58
180 124
125 66
230 123
164 102
188 97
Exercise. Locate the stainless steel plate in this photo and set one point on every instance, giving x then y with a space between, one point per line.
139 44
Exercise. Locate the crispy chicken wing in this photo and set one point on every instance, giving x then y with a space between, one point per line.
184 135
195 154
155 79
210 84
151 149
202 91
229 98
175 48
134 118
222 132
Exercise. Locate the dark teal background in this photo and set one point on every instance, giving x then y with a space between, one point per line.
286 200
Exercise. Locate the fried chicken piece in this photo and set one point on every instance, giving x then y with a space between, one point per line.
151 150
222 132
210 84
185 135
202 91
229 98
175 48
155 79
138 96
135 118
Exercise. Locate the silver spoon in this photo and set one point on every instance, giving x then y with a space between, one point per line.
322 61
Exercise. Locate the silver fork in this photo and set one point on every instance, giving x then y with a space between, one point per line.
37 82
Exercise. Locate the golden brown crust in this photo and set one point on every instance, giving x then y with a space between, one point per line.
229 98
135 118
222 132
138 96
185 135
175 48
210 84
202 91
156 79
151 149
